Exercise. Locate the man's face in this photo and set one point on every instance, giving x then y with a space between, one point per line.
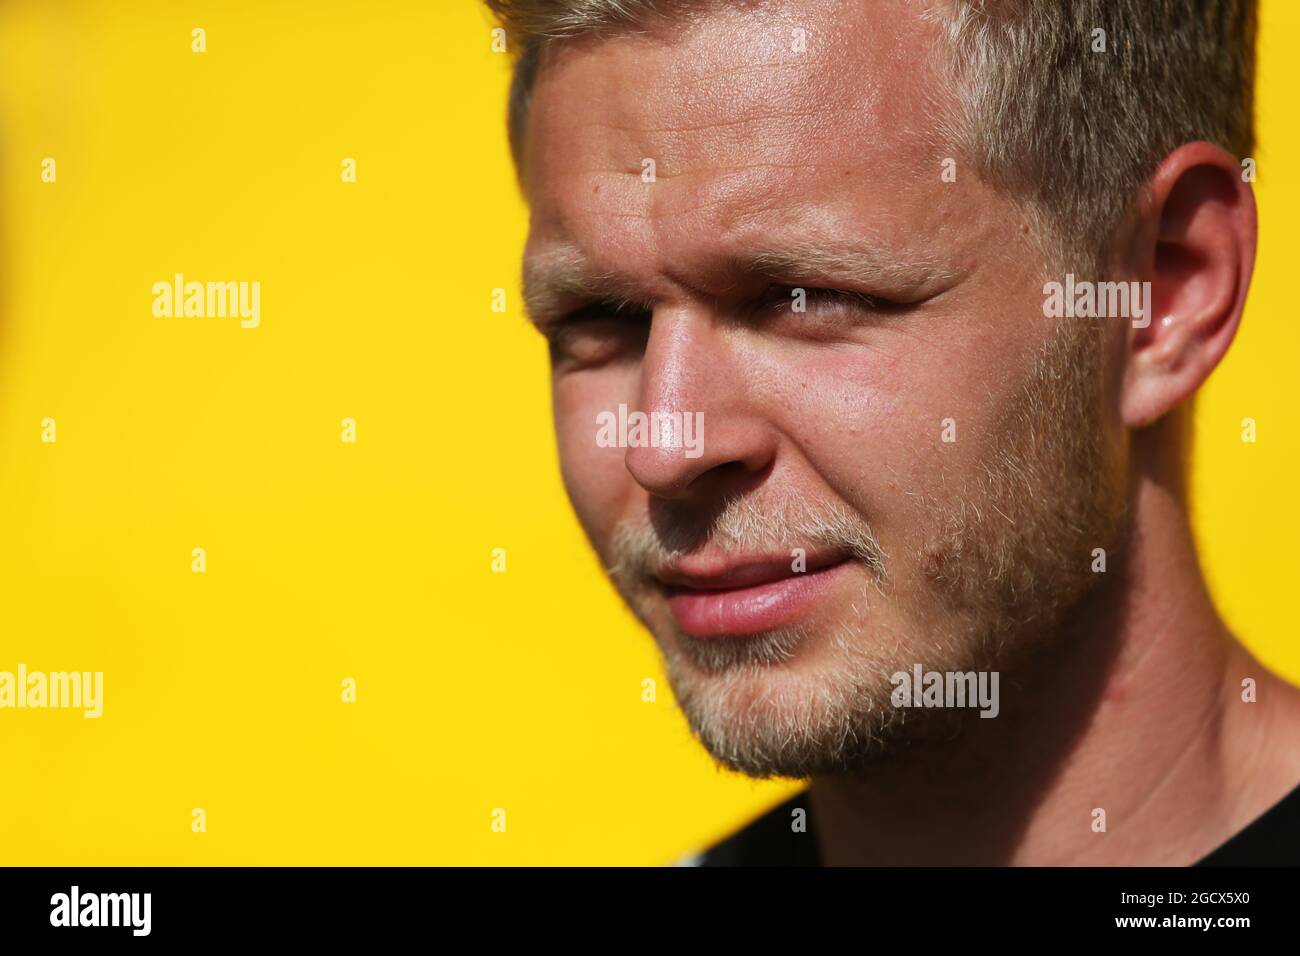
914 469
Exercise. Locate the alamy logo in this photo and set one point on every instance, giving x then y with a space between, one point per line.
946 689
75 690
1098 300
683 430
102 909
208 300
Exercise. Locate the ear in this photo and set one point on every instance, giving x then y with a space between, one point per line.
1195 243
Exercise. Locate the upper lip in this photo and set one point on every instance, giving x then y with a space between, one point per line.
726 572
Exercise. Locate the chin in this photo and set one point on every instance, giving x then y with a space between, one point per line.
792 703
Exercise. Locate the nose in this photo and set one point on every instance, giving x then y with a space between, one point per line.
711 434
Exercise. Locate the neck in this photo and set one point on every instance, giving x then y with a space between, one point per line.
1136 713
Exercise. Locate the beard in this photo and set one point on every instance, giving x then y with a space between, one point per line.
989 580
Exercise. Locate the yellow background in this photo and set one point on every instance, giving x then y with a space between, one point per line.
327 560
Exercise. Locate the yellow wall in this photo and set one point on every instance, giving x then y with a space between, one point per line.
328 560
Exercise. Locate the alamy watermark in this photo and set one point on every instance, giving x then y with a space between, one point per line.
923 688
1098 300
75 690
658 429
208 300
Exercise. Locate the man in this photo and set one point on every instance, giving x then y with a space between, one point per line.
875 328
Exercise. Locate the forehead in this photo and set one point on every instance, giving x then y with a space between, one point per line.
757 116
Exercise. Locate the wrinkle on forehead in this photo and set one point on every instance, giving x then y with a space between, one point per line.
683 95
744 132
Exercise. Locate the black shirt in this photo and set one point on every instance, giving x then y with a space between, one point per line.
1272 840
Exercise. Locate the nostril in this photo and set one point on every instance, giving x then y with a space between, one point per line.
664 472
671 473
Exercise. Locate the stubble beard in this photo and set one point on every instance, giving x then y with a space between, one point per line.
1002 562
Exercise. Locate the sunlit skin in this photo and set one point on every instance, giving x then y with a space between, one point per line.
759 150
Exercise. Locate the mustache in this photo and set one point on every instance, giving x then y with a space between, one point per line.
641 549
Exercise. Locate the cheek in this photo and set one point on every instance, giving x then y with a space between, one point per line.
873 423
849 415
597 480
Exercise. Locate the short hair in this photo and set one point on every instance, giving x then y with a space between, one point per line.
1067 106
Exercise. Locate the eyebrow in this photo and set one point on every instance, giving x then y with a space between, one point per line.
562 274
861 262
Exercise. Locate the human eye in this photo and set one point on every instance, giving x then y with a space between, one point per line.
806 299
823 304
598 333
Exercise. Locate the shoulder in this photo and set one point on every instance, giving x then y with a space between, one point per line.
783 836
1271 840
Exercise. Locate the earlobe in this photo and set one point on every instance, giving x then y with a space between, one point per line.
1200 228
1161 372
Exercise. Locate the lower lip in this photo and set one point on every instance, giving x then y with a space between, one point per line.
739 612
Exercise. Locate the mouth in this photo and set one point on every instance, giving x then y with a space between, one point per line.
743 597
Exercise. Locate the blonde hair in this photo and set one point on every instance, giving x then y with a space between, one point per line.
1071 131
